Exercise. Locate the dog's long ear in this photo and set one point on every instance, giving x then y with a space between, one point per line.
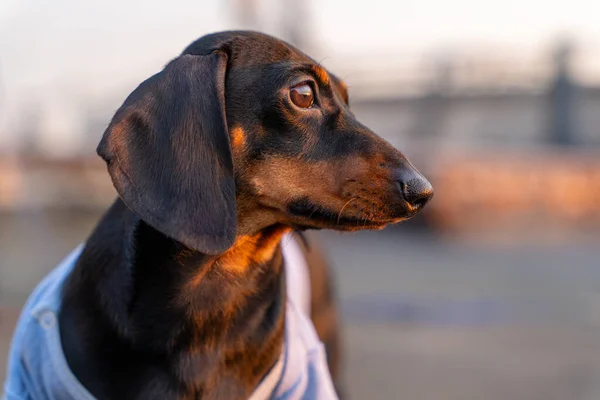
169 156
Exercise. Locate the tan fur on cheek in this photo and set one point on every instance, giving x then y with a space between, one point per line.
283 178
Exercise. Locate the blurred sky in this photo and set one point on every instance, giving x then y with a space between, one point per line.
60 55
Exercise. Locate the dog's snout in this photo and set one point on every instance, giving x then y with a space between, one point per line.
415 189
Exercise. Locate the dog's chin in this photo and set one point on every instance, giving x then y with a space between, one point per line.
345 223
320 218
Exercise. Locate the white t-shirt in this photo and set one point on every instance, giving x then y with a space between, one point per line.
38 370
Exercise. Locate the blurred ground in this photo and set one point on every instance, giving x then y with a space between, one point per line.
425 317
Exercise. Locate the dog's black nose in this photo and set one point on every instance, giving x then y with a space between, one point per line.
415 189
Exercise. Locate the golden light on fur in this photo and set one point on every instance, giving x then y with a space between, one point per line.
251 250
321 74
238 138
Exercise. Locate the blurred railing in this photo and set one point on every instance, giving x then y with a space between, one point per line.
37 183
545 191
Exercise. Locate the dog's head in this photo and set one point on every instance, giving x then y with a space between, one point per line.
243 131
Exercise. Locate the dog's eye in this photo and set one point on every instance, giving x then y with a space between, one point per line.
302 95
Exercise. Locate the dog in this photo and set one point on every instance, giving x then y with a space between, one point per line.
186 288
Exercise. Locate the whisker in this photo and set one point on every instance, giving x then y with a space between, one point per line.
344 206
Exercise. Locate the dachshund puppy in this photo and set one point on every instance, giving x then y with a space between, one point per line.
193 284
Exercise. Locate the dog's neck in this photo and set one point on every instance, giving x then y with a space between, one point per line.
211 325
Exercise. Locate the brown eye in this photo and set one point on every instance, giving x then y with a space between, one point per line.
302 95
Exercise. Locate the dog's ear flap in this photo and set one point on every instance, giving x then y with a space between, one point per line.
169 156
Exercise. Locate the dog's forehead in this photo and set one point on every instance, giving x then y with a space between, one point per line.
268 50
248 48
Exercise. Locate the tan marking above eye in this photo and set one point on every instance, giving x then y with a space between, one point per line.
302 95
321 74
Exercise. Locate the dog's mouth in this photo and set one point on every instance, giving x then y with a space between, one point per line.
310 215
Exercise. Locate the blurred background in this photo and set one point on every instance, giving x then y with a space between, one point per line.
492 293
